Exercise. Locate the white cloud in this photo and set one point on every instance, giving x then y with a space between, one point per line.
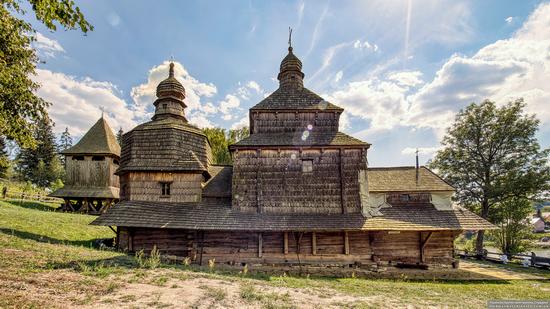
338 76
254 86
145 94
243 122
209 108
200 120
76 102
406 78
365 45
229 103
509 19
47 47
501 71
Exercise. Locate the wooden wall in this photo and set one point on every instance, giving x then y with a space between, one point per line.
88 173
319 248
272 181
289 121
145 186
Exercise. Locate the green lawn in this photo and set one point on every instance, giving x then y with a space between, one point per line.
46 260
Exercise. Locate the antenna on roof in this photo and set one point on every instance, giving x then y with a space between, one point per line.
102 108
417 166
289 39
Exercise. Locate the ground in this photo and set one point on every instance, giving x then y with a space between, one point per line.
47 260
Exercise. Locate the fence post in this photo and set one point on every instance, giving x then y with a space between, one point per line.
533 258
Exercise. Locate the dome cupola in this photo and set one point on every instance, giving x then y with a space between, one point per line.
290 74
170 96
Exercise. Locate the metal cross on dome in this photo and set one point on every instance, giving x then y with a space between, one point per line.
289 37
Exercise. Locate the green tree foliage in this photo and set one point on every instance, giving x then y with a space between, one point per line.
41 165
4 159
20 109
119 136
490 154
65 141
220 139
515 231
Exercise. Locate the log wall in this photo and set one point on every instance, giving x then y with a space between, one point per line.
291 121
315 248
88 173
145 186
272 181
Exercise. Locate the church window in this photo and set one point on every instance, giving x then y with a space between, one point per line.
164 106
78 158
404 197
165 189
98 158
307 166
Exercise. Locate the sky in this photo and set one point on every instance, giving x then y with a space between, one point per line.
401 69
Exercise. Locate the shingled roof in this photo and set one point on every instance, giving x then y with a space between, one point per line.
211 215
168 144
220 183
89 192
288 98
403 179
98 140
300 139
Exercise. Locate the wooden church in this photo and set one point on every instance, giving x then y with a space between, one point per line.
299 190
91 185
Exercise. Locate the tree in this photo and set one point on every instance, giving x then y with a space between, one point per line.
41 165
512 217
20 108
65 141
119 136
491 154
4 159
220 141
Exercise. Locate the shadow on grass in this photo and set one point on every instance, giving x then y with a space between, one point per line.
41 238
32 205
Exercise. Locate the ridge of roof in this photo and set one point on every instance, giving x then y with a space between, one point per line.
99 139
294 99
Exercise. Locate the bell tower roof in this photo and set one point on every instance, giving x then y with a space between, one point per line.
170 96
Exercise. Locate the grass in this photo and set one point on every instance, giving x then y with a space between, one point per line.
44 254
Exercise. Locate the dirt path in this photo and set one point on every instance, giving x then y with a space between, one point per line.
494 272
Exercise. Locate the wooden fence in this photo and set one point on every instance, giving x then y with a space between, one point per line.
534 260
20 195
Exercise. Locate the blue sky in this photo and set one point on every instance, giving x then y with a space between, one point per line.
401 69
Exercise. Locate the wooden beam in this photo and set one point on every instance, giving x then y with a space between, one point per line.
112 229
260 244
314 243
346 243
285 241
423 243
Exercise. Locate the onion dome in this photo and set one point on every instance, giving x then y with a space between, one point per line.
170 95
171 87
291 71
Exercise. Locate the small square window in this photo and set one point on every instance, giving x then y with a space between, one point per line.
165 189
165 106
307 166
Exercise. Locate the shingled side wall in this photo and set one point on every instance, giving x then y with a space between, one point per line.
272 181
291 121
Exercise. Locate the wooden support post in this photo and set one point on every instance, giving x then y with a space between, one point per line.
423 243
260 244
201 233
346 243
285 241
130 239
314 243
